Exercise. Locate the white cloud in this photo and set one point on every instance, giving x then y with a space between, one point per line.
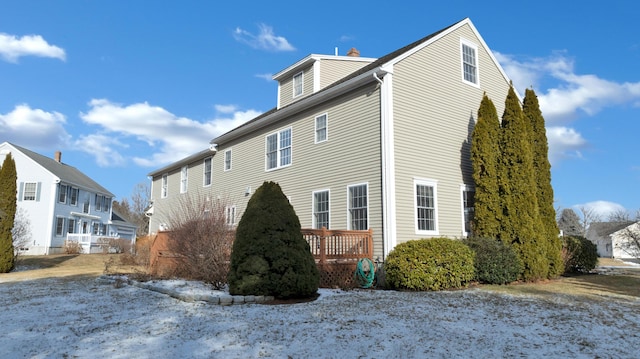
226 108
102 147
265 40
565 96
602 209
170 137
33 128
12 47
267 77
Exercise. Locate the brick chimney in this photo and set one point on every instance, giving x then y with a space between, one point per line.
58 156
353 52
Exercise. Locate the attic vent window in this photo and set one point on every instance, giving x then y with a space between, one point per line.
469 63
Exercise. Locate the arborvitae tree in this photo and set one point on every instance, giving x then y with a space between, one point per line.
270 255
570 223
544 190
516 178
485 157
8 179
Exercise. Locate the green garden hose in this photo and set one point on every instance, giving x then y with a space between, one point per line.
365 277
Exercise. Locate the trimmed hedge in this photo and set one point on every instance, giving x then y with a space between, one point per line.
580 255
429 264
495 261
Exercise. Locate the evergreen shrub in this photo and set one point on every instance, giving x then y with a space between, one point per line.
429 264
580 255
270 256
495 261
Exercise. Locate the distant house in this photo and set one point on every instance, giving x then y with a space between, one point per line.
358 143
616 239
62 204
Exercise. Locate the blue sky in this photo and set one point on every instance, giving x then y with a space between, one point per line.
125 87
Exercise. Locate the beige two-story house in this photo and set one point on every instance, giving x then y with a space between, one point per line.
359 143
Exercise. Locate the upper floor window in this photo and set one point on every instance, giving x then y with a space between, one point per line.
321 209
164 191
85 205
98 201
183 179
227 160
278 149
29 191
358 210
62 194
321 128
298 84
207 172
426 210
73 196
469 62
468 203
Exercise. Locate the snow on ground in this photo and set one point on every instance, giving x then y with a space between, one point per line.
88 318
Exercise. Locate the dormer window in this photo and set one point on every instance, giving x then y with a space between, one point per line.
297 84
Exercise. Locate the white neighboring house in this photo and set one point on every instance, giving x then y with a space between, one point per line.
616 239
61 203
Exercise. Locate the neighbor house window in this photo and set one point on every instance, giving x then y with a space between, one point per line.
29 191
71 225
207 171
62 194
297 85
230 215
467 208
469 63
165 186
358 207
99 200
278 149
183 179
321 128
85 205
96 228
425 202
321 209
73 196
59 226
227 160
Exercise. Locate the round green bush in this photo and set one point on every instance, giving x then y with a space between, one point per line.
580 254
270 256
429 264
495 261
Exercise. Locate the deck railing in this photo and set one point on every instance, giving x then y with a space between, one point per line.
338 244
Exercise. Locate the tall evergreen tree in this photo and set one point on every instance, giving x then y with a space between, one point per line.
570 223
485 157
544 191
8 179
516 179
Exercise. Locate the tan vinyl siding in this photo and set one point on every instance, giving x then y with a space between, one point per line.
286 86
333 70
434 114
350 156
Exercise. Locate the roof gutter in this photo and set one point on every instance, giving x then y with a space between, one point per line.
322 96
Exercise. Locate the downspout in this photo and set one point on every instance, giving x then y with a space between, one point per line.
388 162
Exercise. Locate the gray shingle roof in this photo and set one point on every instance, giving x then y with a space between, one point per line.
67 174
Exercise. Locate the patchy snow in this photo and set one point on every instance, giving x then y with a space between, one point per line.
88 318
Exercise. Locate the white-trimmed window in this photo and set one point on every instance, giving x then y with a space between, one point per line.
59 226
358 207
98 201
165 186
230 215
321 128
321 209
278 149
183 179
298 82
73 196
29 191
71 225
86 204
468 203
227 160
62 194
425 195
207 172
96 228
469 62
